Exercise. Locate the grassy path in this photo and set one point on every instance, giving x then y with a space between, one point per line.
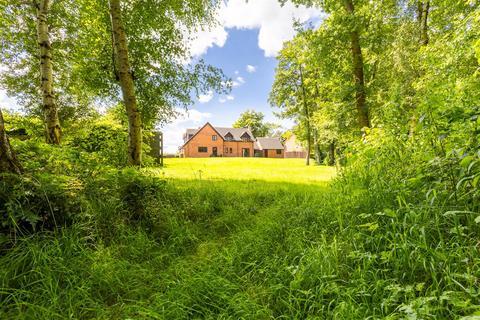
274 242
253 237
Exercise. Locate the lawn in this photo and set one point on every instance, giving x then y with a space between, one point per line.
257 169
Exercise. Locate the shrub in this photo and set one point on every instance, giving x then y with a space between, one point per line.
41 202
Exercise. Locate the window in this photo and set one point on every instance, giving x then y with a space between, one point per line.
229 137
214 137
202 149
279 151
226 150
246 137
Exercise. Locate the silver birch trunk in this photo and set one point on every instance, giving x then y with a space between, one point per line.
52 123
126 83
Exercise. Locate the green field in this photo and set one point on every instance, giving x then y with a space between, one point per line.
261 169
242 239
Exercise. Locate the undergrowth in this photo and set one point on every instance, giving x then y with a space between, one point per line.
382 240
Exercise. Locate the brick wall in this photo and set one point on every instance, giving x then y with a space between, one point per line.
235 148
204 139
273 154
224 148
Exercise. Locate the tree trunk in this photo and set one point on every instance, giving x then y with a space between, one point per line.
423 9
316 148
307 118
8 160
127 85
331 154
309 148
357 58
424 27
52 123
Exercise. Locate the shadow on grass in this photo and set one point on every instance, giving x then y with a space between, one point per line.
83 275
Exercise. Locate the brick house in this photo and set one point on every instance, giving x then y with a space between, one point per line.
268 148
210 141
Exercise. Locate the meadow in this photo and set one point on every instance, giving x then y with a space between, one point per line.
242 239
261 169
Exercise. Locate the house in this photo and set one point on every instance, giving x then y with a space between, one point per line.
293 148
268 148
210 141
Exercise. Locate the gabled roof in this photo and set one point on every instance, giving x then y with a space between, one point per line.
222 132
268 143
236 132
192 131
195 131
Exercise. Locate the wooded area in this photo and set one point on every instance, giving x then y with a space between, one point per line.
385 92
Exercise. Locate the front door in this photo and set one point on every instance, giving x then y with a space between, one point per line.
215 151
265 153
245 152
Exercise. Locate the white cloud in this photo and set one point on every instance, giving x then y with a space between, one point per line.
238 82
276 23
173 132
251 69
204 98
226 98
205 39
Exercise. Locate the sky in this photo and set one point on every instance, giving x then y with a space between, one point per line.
244 45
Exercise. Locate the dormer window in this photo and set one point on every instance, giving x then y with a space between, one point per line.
229 137
246 137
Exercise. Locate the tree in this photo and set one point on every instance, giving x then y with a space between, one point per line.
52 123
292 90
83 45
28 55
347 25
122 64
8 160
358 67
151 61
47 74
255 121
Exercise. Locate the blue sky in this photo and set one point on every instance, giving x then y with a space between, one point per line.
251 72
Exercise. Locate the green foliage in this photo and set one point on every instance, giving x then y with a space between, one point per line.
254 120
43 202
19 57
32 125
106 138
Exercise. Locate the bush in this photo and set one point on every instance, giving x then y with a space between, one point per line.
41 202
104 137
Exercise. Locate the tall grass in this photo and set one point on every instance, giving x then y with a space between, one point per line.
364 247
